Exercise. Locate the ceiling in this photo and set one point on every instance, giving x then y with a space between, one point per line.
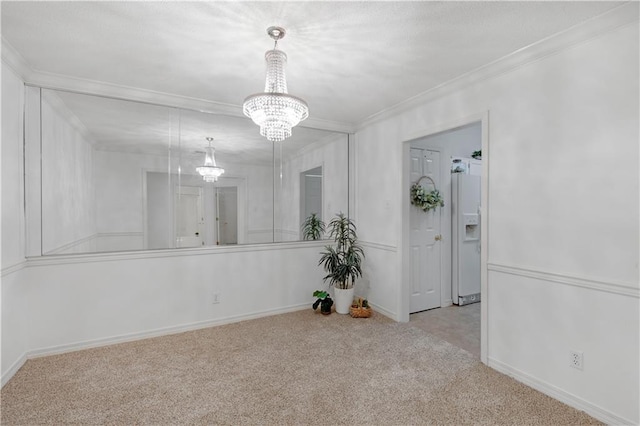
348 60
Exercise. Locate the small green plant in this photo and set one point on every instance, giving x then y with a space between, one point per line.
312 228
324 301
477 155
343 261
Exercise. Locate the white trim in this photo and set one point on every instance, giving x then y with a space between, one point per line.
609 21
559 394
48 80
8 375
119 234
319 144
68 246
260 231
131 337
283 231
13 268
59 107
378 246
64 259
383 311
607 286
14 60
32 172
484 241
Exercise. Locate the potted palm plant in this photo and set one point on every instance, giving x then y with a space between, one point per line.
342 261
312 228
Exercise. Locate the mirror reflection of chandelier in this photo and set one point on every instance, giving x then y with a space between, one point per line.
210 172
275 111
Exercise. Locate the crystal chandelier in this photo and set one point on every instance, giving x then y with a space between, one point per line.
210 172
275 111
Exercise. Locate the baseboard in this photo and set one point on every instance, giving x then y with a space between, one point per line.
88 344
557 393
383 311
13 369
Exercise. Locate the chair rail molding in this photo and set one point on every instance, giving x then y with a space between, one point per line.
615 287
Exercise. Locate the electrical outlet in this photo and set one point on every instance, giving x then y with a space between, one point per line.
576 359
216 298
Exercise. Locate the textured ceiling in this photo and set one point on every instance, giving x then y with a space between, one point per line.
348 60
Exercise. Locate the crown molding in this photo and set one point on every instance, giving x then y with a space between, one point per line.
115 91
61 108
14 60
623 15
67 83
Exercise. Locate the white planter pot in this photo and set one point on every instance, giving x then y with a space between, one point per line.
343 299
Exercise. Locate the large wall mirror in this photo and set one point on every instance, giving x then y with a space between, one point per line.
121 175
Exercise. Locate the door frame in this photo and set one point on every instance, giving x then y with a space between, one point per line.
405 288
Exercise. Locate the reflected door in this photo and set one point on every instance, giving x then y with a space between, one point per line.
227 219
189 217
311 194
425 238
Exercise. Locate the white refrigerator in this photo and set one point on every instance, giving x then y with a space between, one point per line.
465 224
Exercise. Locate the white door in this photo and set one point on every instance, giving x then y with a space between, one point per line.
227 216
425 238
189 217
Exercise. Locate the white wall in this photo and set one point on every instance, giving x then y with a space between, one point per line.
13 239
119 183
119 200
563 212
12 294
76 302
68 194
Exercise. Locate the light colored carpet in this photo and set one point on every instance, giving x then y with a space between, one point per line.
298 368
458 325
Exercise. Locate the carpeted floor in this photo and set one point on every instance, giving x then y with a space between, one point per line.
300 368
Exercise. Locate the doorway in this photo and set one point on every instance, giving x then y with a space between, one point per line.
192 213
227 215
411 260
310 195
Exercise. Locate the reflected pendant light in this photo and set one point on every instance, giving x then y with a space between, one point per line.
275 111
210 172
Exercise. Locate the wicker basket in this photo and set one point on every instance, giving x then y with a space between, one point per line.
359 312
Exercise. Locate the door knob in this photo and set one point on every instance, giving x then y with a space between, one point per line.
197 234
438 237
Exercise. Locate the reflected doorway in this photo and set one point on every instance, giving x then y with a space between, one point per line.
227 215
193 213
190 217
310 194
